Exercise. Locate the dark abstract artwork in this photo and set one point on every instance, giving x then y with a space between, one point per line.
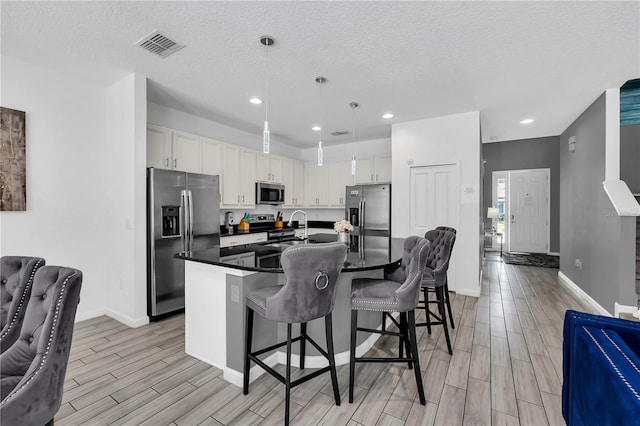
13 185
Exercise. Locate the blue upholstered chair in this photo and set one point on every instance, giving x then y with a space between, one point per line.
32 370
16 278
601 369
309 293
398 291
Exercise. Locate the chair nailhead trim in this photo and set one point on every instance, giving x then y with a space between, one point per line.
26 287
46 352
635 367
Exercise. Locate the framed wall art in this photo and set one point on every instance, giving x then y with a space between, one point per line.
13 173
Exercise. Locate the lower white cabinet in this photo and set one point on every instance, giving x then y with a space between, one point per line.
244 259
241 239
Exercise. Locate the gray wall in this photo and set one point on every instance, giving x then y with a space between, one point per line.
538 153
630 156
590 229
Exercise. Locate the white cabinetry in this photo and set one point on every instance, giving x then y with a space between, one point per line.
316 185
211 156
339 178
293 179
269 168
240 239
373 170
239 169
173 150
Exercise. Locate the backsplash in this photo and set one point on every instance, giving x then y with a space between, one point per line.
312 213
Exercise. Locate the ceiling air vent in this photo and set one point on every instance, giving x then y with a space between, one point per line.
340 133
159 44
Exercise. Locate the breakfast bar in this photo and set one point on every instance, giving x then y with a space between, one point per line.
218 279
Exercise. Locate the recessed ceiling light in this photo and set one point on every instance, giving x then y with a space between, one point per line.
387 115
527 121
316 128
255 101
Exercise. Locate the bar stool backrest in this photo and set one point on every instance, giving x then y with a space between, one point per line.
309 292
439 253
446 228
409 273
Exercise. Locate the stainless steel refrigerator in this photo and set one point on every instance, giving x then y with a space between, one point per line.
368 208
182 215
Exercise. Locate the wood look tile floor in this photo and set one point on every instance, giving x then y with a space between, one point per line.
506 369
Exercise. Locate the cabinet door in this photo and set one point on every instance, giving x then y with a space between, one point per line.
299 182
383 169
247 170
186 152
276 169
231 180
288 179
316 185
339 178
211 156
158 147
263 169
364 171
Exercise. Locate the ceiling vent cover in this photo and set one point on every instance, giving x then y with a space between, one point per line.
159 44
340 133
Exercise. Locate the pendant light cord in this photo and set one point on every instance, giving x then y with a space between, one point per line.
266 79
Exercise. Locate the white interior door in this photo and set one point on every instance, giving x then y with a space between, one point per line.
528 215
434 196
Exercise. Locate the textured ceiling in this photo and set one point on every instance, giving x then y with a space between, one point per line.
509 60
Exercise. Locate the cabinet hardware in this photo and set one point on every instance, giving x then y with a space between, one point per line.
238 198
166 163
376 177
175 163
243 198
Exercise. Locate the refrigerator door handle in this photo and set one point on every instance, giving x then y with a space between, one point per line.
184 219
190 198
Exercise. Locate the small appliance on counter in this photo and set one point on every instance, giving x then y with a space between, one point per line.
228 222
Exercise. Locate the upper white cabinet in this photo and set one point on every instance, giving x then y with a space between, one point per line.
339 177
170 149
158 147
316 185
293 180
269 168
211 156
239 170
373 170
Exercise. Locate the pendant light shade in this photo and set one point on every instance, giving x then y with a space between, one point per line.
320 80
353 106
266 136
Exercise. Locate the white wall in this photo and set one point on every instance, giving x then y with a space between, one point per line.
66 177
80 191
442 140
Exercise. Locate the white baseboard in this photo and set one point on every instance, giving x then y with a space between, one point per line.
83 316
127 320
573 287
236 377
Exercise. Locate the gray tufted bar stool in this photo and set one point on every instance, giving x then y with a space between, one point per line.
435 279
33 369
399 292
309 292
16 279
446 284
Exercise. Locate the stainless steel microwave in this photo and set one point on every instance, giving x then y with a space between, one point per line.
269 193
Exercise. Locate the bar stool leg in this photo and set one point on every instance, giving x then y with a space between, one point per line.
446 288
287 378
404 338
426 308
303 343
352 358
440 294
413 343
328 327
248 335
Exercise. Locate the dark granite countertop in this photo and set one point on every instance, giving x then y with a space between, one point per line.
372 253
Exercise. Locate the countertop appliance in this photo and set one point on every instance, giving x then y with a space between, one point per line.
182 216
269 193
368 208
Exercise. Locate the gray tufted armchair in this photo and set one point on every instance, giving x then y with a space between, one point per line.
16 278
32 370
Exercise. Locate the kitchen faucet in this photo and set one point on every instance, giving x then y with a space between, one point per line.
306 233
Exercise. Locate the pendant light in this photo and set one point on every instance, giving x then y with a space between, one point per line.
353 106
320 80
266 137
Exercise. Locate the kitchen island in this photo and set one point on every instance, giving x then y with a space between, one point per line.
217 281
